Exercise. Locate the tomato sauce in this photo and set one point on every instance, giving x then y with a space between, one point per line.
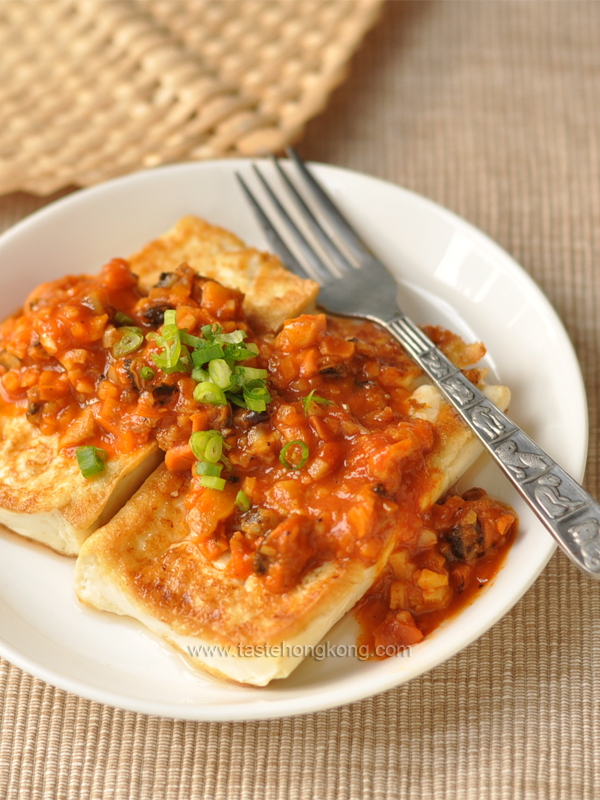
61 361
462 546
332 468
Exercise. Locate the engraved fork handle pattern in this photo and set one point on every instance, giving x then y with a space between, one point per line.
569 513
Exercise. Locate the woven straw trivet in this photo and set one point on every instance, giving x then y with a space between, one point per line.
92 89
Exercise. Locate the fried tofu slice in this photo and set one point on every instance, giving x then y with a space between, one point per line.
44 496
272 293
145 564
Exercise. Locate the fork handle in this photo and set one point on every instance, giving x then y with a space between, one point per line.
570 514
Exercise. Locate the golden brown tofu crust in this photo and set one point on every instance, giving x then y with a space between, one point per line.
272 293
36 477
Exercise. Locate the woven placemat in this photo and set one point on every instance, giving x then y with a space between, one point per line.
91 89
492 109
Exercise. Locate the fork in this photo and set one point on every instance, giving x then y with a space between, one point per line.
361 286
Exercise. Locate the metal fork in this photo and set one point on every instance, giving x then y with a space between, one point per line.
367 290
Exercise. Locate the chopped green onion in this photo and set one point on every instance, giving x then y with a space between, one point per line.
199 442
295 444
256 395
207 392
255 405
90 459
240 352
242 501
208 333
131 339
170 317
256 388
206 468
199 374
147 373
235 337
313 398
214 449
212 483
123 319
170 343
184 364
207 352
192 341
247 374
220 373
236 400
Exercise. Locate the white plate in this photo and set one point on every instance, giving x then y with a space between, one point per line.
449 274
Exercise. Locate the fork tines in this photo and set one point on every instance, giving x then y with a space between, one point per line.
324 257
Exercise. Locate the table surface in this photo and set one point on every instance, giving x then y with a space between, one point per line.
493 110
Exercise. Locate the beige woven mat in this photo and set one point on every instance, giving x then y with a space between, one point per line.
90 89
493 109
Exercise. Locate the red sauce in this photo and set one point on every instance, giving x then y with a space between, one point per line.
466 540
362 449
340 394
59 359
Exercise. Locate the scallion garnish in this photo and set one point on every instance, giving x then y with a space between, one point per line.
247 374
212 364
220 373
123 319
206 468
240 352
90 459
237 400
130 339
256 395
214 449
199 374
185 361
205 353
170 345
255 405
199 442
147 373
313 398
296 443
192 341
208 392
235 337
242 501
212 483
209 333
207 447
